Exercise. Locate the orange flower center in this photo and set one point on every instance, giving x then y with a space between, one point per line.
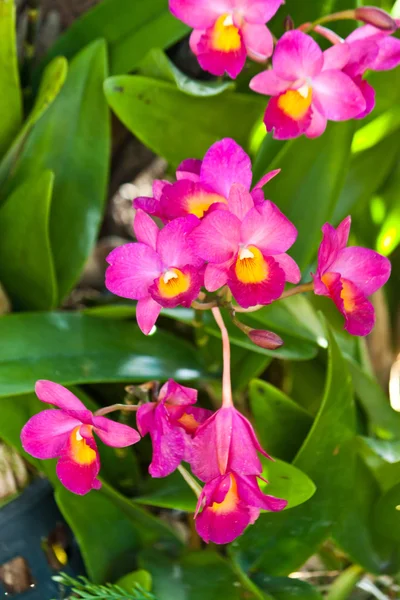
295 103
230 501
250 266
225 35
189 423
346 294
173 283
199 203
81 452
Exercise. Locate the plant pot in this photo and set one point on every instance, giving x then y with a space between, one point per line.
33 539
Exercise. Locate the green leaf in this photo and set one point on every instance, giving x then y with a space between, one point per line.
50 86
388 450
158 66
175 125
72 139
281 424
10 97
367 172
386 516
279 543
287 588
311 169
142 577
130 30
285 481
75 348
198 575
24 223
343 585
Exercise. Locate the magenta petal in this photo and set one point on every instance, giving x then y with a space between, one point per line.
369 96
251 495
216 61
222 528
318 124
363 54
211 446
224 164
267 228
45 434
337 56
297 56
289 267
172 244
169 444
367 269
258 41
151 206
215 277
281 124
388 56
133 268
265 292
145 229
195 278
115 434
177 394
265 179
158 187
145 417
147 311
217 237
189 169
78 478
58 395
257 11
199 14
358 311
269 83
336 96
343 232
328 249
240 201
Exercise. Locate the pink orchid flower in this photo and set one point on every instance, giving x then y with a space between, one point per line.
225 455
348 275
228 504
203 185
171 422
227 31
159 271
246 249
308 87
370 49
66 433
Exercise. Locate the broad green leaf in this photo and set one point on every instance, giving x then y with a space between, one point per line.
196 576
374 401
53 80
386 517
279 543
73 140
389 236
281 424
285 481
75 348
158 66
375 131
345 583
368 170
24 241
175 125
388 450
286 588
130 29
246 366
10 97
141 577
306 190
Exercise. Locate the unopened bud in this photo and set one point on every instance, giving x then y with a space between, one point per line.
288 23
375 16
265 339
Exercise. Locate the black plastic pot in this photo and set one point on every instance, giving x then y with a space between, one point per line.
25 525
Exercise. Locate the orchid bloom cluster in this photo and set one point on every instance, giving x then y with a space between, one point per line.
307 87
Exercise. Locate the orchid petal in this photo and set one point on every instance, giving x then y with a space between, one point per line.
216 239
337 96
257 11
199 14
172 244
189 169
269 83
79 478
267 228
215 277
45 434
58 395
224 164
133 268
297 56
115 434
265 179
289 267
147 311
337 56
318 124
365 268
240 201
145 229
258 41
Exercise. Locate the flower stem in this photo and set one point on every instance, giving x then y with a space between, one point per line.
108 409
299 289
338 16
203 305
226 354
192 483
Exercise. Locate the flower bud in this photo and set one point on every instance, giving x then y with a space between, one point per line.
375 16
288 23
265 339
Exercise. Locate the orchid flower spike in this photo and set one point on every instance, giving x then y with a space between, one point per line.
159 271
245 247
203 185
307 87
348 275
227 31
171 422
66 433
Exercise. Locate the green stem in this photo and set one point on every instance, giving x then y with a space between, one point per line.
343 585
109 409
192 483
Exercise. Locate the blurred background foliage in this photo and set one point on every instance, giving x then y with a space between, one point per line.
90 114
